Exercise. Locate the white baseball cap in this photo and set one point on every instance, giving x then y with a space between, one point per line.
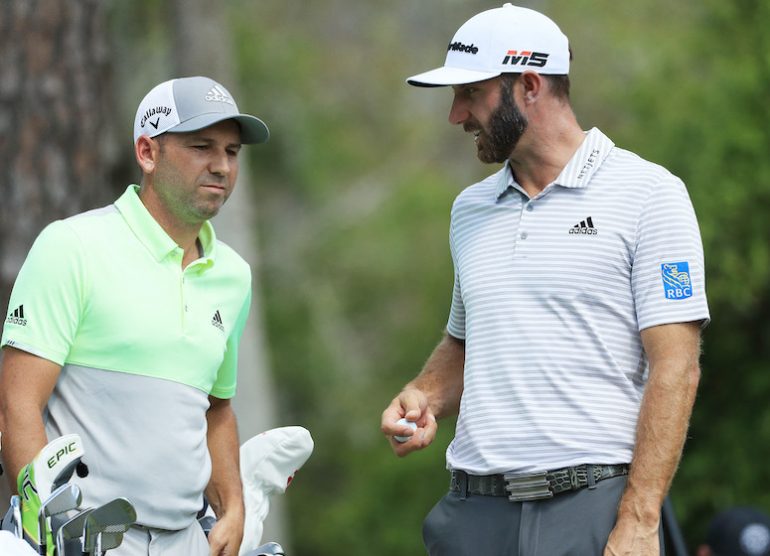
501 40
190 104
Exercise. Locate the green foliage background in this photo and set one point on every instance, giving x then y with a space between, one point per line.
354 194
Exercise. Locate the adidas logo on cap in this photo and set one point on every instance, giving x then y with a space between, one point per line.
218 94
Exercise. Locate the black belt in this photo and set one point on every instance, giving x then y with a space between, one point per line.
535 486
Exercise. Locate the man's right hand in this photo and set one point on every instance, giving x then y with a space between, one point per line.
411 404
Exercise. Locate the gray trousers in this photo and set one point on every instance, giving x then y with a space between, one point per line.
569 524
143 541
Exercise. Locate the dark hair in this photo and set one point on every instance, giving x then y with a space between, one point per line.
559 84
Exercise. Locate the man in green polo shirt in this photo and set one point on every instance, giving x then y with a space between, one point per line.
123 327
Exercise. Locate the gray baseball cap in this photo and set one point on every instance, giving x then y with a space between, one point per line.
190 104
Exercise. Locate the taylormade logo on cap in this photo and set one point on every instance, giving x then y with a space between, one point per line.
190 104
509 39
458 46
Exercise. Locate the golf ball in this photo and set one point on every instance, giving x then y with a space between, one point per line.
403 421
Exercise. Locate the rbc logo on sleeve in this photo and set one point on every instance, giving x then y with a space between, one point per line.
676 280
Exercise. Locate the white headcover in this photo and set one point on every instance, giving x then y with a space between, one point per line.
59 456
268 463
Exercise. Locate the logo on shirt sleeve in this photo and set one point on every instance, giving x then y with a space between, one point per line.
676 280
17 317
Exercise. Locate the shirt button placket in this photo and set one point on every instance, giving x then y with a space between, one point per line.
526 208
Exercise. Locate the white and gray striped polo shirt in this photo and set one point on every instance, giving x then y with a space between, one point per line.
550 295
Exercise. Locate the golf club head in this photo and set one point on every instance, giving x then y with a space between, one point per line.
269 549
63 499
11 522
207 522
70 530
7 521
115 516
110 540
16 509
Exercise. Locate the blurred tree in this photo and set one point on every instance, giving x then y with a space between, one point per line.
202 45
57 151
708 95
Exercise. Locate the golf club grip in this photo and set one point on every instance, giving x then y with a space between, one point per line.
675 533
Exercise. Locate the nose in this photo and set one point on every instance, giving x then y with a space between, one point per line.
458 113
221 164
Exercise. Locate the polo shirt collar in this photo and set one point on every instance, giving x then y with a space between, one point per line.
586 160
505 180
151 234
578 171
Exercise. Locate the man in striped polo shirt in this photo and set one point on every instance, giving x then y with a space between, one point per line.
571 352
124 325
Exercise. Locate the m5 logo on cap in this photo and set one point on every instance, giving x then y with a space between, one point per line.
525 58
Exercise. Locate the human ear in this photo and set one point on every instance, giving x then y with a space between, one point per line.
532 84
146 152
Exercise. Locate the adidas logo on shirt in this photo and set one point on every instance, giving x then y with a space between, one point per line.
216 320
584 227
17 317
218 94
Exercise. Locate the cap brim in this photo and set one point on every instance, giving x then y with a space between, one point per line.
444 76
253 130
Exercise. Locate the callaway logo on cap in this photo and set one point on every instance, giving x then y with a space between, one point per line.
502 40
190 104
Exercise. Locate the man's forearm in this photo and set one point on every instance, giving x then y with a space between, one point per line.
23 437
661 432
224 491
441 379
26 382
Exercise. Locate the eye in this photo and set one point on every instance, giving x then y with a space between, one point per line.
466 91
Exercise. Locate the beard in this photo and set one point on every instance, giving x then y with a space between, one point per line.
506 126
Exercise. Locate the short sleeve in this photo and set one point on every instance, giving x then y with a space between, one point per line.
456 324
46 303
668 278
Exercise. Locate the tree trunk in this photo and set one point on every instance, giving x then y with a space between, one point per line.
56 143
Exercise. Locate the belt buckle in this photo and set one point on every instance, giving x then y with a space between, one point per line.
522 488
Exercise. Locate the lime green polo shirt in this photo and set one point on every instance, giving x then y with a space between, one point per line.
142 343
106 289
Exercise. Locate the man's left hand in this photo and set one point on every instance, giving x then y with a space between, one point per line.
633 538
226 536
